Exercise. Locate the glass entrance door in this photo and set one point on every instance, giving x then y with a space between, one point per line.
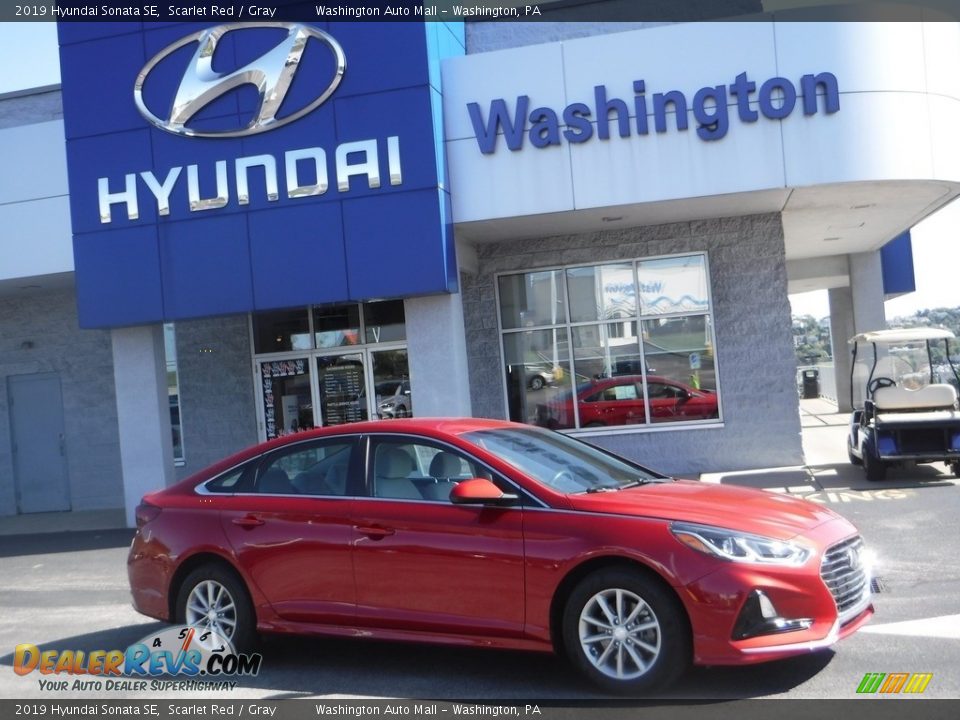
342 381
286 394
391 379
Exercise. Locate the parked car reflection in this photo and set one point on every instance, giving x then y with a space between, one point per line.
619 401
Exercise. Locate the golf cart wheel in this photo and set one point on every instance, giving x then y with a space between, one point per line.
854 460
955 468
875 468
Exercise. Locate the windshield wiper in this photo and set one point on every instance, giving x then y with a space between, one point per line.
602 488
637 483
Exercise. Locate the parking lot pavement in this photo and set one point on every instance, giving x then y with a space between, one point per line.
69 591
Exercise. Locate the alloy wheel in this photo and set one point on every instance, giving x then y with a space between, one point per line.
210 606
619 634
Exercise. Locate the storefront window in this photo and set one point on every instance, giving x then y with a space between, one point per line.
601 292
679 351
336 325
532 299
173 390
281 330
287 404
384 321
640 344
538 378
331 364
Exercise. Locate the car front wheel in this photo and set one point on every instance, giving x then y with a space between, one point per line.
625 632
212 597
536 382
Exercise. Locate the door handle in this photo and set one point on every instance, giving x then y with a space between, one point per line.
375 532
247 522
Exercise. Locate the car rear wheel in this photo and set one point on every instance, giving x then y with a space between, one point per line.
625 632
212 597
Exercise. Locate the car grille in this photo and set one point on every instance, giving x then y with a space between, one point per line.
847 579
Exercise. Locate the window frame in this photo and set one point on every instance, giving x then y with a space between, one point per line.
638 318
525 499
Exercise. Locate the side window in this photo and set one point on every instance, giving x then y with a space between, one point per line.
318 468
419 471
227 483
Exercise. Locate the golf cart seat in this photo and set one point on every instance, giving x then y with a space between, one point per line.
931 397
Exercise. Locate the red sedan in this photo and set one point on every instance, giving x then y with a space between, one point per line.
493 534
619 400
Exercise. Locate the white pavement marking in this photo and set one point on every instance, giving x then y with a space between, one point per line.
945 626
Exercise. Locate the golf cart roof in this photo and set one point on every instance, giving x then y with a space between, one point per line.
903 335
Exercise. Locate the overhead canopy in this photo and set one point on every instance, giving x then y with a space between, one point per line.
903 335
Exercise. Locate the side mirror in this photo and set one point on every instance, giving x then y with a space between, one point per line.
480 491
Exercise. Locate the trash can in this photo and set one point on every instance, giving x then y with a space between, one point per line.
811 383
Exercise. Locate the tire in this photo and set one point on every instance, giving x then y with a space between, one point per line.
955 468
536 383
402 412
875 468
214 577
651 656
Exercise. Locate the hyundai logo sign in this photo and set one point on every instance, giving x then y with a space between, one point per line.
272 74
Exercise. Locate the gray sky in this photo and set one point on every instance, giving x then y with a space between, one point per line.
936 250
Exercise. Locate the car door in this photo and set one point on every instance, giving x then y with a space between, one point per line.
291 529
620 403
424 563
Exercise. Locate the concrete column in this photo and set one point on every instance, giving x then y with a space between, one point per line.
143 413
841 330
866 285
438 356
855 309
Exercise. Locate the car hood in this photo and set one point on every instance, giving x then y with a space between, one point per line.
755 511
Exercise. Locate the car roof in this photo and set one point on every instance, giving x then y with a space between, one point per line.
413 426
448 426
903 335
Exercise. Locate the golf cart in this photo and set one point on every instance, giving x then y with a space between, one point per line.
909 411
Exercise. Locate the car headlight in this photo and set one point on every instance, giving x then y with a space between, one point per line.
738 546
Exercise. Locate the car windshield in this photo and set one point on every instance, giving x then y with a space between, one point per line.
562 463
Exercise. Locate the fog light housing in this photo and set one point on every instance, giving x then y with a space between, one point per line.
758 616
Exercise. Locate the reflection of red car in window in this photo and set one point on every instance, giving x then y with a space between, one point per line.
619 401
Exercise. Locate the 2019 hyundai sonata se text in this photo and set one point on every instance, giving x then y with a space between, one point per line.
493 534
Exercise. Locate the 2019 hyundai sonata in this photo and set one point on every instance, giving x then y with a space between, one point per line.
493 534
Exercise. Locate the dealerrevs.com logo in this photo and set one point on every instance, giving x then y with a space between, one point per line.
197 659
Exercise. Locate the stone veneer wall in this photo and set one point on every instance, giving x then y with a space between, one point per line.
217 407
754 352
40 334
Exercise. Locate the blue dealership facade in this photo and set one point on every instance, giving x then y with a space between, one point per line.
229 232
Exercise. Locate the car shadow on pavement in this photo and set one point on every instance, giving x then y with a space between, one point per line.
298 667
46 543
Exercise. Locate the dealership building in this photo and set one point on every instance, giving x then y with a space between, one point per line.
215 235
